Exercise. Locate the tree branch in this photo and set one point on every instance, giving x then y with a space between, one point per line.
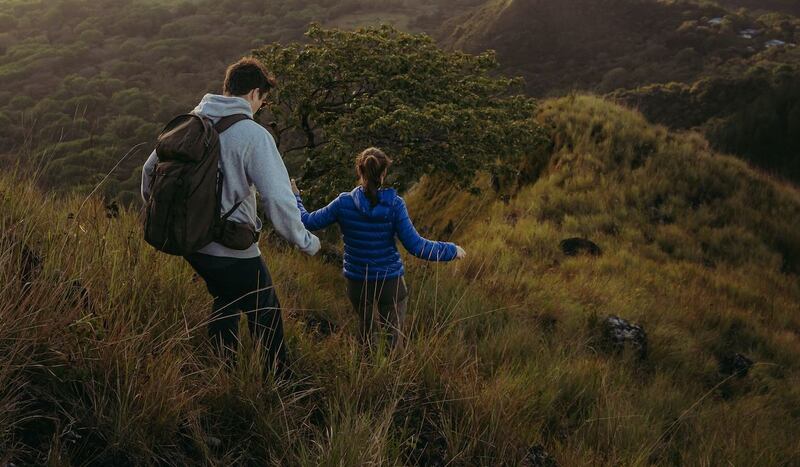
306 146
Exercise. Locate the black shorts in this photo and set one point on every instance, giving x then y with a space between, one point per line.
384 292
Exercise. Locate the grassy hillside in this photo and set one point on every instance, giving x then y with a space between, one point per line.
689 65
754 112
103 359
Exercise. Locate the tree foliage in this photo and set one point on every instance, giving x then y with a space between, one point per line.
431 110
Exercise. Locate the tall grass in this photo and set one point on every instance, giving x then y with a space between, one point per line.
104 358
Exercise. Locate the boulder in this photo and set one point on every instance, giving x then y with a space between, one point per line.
112 210
619 333
575 246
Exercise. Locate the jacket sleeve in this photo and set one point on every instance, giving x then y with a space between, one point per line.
264 167
320 218
416 244
147 175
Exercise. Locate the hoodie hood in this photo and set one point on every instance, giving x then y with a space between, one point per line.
215 106
383 209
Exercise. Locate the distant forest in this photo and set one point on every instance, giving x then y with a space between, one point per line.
82 82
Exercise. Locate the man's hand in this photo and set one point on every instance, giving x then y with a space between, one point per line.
460 253
295 190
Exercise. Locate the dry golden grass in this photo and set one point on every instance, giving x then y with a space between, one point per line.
503 352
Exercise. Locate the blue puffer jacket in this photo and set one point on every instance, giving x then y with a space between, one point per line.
369 233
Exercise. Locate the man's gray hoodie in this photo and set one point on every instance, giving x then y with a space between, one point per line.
249 162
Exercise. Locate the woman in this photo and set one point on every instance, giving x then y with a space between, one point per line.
370 217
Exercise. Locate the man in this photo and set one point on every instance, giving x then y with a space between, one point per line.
239 279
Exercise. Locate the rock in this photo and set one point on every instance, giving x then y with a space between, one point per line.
538 457
735 364
112 210
619 333
574 246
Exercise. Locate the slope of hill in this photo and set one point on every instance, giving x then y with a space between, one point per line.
754 113
688 65
103 357
609 44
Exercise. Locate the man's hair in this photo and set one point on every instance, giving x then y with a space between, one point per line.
245 75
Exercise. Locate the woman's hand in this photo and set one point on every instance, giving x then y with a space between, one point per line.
295 190
460 253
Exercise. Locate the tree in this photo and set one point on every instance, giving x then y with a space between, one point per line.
432 111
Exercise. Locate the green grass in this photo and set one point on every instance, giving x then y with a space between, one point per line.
503 350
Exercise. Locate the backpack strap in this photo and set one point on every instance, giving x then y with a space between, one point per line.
231 211
226 122
223 124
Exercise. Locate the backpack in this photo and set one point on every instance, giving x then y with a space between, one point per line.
182 213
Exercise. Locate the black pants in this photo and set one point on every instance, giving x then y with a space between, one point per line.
391 296
242 285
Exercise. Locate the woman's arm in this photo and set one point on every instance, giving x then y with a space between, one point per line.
416 244
320 218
